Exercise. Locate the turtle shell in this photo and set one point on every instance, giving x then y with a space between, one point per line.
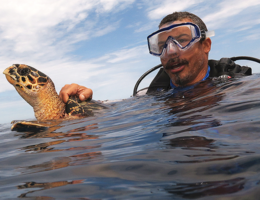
82 108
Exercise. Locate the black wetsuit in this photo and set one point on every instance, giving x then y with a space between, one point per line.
224 66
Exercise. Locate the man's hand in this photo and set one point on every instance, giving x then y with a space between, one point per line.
75 90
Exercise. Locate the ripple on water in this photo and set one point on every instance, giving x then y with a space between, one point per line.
201 143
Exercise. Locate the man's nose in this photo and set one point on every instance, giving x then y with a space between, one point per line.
172 49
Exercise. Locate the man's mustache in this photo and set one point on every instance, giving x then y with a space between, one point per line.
173 61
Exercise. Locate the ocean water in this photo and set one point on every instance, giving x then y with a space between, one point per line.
197 144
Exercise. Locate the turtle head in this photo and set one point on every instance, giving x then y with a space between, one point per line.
27 80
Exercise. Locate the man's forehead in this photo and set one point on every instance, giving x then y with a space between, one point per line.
176 33
176 22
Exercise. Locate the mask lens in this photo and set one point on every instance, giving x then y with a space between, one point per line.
183 36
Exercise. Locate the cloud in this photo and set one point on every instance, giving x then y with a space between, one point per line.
146 27
254 36
111 76
126 54
115 5
43 33
224 13
167 7
227 9
110 71
45 26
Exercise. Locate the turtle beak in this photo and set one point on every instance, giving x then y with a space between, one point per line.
9 76
6 72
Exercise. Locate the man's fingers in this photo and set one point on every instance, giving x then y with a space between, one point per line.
75 90
64 97
68 90
85 93
82 97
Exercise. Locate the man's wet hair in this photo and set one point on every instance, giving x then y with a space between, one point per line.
178 16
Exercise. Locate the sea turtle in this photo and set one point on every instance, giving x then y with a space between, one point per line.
39 91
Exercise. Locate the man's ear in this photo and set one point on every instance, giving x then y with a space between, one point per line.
206 45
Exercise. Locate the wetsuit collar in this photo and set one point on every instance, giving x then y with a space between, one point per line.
188 87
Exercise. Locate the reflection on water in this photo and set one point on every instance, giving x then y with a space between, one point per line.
196 190
201 143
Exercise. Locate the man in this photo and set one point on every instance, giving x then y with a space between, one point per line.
183 45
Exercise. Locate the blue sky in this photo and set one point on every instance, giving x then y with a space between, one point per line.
102 44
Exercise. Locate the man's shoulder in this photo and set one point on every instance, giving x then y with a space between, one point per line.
226 66
160 82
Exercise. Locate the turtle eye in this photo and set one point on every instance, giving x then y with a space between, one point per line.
23 71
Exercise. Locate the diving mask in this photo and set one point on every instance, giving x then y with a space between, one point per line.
175 38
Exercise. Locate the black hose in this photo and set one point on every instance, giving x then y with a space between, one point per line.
245 58
143 76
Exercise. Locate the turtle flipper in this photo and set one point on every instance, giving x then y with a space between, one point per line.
22 126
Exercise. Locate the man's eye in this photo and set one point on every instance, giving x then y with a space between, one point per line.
161 48
183 42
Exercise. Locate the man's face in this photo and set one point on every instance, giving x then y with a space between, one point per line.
189 66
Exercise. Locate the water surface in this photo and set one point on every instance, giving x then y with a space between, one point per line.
198 144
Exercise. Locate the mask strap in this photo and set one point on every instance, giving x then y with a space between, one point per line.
207 34
210 34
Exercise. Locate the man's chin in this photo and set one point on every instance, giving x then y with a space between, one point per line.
179 80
